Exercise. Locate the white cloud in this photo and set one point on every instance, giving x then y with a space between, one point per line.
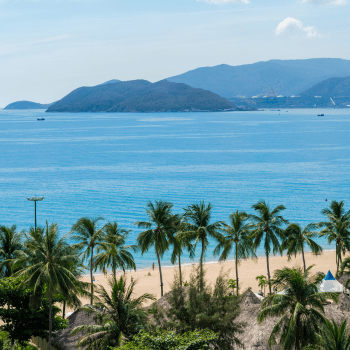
325 2
293 26
217 2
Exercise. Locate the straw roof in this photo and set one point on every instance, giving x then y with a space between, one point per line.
343 278
64 340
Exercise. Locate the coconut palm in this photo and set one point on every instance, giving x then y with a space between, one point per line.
332 337
337 229
296 238
45 260
267 230
300 309
199 228
113 251
236 240
161 219
262 282
118 316
88 236
10 246
179 243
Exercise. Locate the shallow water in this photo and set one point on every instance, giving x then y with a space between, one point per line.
110 165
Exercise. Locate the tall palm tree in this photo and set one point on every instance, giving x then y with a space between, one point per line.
300 309
161 218
236 240
199 228
179 243
332 337
113 251
337 228
118 316
266 230
45 258
88 236
10 247
296 238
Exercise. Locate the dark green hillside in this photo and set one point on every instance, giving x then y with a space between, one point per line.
26 105
140 96
334 87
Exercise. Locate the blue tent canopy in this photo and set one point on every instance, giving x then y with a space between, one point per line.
329 277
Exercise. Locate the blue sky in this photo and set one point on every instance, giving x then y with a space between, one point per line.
50 47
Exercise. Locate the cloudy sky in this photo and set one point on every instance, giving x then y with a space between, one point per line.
50 47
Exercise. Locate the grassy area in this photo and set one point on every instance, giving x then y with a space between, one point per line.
3 336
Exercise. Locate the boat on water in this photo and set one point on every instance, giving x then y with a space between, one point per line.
320 115
40 119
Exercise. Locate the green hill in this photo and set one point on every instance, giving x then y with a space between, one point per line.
333 87
26 105
140 96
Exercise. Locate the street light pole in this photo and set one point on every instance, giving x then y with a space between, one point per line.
35 199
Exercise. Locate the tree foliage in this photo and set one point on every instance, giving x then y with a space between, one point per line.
21 319
199 307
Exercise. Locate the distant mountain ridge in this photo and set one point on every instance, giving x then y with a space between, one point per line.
26 105
140 96
286 77
333 87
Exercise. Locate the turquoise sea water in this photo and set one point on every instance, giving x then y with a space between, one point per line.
110 165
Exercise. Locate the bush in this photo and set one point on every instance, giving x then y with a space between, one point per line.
198 308
163 340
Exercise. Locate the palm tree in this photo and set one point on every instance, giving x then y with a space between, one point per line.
296 238
118 316
10 246
262 281
300 309
236 239
45 258
161 218
199 228
267 230
337 229
88 236
179 243
114 251
332 337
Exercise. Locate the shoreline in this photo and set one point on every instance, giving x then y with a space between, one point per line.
148 280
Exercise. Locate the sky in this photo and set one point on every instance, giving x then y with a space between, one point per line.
51 47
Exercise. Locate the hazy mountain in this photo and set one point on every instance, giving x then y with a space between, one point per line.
286 77
333 87
110 82
26 105
140 96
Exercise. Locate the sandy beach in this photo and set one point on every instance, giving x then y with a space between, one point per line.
148 279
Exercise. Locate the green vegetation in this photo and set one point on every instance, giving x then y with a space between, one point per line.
118 316
201 308
40 269
167 340
300 309
21 318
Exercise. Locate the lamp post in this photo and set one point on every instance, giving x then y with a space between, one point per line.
35 199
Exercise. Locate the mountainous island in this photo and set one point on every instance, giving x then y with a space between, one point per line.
285 77
141 96
26 105
333 87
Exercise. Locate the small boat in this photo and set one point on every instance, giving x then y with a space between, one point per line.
320 115
40 118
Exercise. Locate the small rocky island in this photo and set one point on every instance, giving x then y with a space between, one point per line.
26 105
141 96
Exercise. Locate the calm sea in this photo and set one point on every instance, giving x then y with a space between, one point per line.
110 165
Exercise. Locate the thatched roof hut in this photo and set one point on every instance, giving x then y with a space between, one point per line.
64 340
343 278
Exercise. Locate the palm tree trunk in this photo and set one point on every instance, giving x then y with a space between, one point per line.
114 267
91 276
268 271
180 270
160 273
201 267
64 308
50 322
337 256
237 267
302 252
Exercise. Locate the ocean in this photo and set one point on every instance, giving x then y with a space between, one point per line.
111 165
